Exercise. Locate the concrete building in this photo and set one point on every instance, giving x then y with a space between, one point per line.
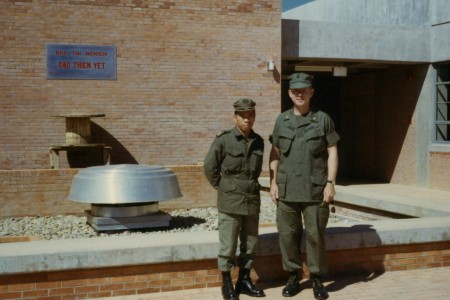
382 71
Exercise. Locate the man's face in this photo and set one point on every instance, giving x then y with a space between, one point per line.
301 97
244 120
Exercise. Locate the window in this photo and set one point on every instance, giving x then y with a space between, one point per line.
442 105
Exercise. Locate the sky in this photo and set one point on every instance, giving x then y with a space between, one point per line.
289 4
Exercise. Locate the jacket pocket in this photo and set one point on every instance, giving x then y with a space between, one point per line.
317 186
227 185
256 162
315 138
286 138
233 160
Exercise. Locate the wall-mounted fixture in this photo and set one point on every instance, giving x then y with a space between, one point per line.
270 65
340 71
337 71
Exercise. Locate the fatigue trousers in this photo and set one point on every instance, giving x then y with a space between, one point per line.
232 227
290 230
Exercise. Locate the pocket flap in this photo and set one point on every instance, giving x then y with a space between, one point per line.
227 185
314 133
235 152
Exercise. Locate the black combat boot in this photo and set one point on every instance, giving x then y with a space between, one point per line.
320 293
228 292
292 287
245 285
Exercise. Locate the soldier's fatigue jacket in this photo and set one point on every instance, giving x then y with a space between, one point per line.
303 142
232 166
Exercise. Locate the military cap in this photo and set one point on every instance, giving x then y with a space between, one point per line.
244 104
300 81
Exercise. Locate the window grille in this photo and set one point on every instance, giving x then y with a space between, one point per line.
442 105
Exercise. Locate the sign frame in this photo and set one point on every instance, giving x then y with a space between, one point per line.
94 62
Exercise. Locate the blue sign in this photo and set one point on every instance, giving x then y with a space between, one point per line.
81 62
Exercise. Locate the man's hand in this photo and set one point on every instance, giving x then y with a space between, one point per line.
274 161
328 193
274 193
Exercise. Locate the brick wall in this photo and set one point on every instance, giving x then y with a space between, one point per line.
398 91
180 66
141 279
44 192
439 170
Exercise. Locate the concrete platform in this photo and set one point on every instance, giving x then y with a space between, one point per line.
409 200
413 201
58 255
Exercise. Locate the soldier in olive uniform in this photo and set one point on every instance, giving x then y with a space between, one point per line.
232 166
303 168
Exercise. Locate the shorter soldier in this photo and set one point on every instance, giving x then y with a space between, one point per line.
232 166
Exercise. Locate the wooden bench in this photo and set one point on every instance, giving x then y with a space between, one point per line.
55 149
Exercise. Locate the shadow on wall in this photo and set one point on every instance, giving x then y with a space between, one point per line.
84 158
376 115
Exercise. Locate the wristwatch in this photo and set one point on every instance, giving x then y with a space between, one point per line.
331 181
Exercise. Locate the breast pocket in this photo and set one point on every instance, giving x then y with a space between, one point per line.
315 138
233 160
286 138
256 161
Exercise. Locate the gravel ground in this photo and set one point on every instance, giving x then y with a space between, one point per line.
73 227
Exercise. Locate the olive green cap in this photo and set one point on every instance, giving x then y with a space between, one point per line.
300 81
244 104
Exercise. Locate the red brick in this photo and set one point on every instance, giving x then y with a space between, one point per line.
206 279
22 287
111 287
182 281
99 294
61 291
35 293
48 285
11 295
124 292
123 279
135 285
86 289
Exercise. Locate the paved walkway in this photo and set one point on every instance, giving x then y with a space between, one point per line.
420 284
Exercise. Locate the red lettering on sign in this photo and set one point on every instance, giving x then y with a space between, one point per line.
60 53
63 64
98 65
96 53
81 65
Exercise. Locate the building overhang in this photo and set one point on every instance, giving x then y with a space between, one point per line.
356 44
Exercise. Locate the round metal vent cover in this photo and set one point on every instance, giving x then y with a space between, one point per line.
125 183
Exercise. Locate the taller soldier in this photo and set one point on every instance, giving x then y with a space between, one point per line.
303 168
232 166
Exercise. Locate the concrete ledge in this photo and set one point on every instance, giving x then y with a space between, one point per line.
59 255
406 200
